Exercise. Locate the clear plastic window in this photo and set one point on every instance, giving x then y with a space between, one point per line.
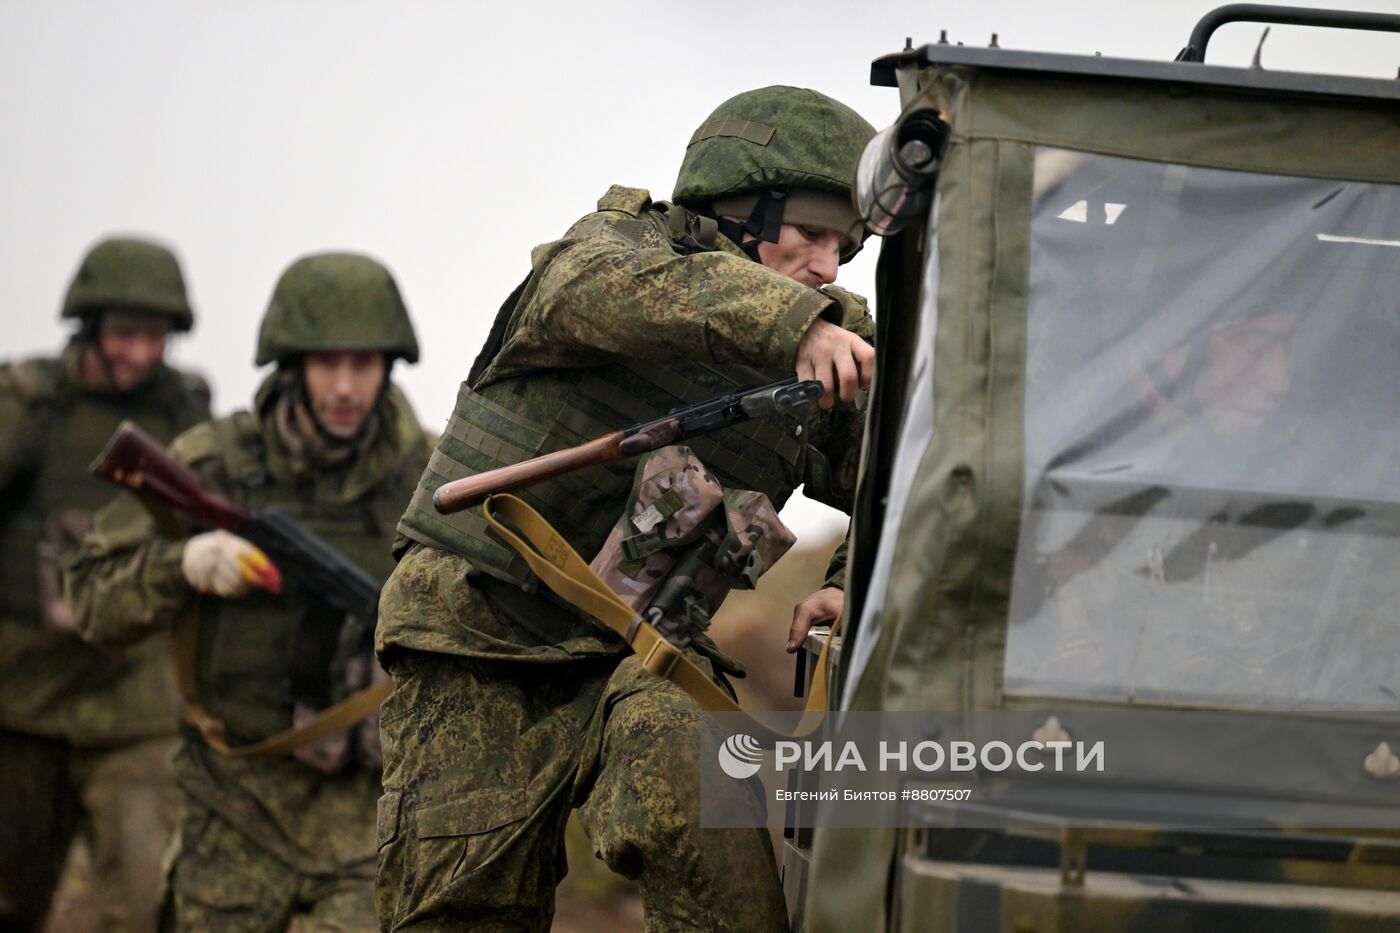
1212 498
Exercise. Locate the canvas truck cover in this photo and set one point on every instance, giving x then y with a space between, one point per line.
1134 437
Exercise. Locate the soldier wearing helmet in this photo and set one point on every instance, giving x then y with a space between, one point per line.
510 707
267 837
84 733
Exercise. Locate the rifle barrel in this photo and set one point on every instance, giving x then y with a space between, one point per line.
322 569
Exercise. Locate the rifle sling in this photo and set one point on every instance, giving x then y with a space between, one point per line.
569 576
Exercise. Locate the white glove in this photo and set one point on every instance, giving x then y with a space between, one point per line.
223 564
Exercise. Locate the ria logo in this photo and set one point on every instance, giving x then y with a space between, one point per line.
740 756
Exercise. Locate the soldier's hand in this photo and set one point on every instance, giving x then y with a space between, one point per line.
840 359
223 564
821 608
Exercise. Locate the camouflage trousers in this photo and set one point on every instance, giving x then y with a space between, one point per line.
121 799
484 760
223 881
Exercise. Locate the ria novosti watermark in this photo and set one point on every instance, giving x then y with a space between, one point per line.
741 756
1182 768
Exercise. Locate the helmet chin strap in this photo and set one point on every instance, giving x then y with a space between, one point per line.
764 223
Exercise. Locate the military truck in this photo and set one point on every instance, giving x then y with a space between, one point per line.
1133 453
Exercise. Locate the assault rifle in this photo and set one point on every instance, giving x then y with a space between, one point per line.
136 461
680 424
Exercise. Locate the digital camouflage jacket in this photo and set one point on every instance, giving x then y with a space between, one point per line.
126 583
51 682
636 310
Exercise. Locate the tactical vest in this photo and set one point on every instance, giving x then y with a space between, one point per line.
516 418
247 646
76 426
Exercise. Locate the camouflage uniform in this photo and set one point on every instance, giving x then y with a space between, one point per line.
84 733
264 840
511 708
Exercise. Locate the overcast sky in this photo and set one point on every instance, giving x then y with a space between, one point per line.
445 138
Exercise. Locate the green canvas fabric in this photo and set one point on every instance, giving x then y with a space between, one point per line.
968 487
944 614
1189 125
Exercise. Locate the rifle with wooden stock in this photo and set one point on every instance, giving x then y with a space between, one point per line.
339 589
680 424
136 461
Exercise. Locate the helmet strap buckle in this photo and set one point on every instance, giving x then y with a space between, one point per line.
764 223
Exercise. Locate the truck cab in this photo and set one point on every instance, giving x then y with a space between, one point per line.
1132 471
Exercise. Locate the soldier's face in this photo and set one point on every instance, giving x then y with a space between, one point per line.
132 351
341 388
809 255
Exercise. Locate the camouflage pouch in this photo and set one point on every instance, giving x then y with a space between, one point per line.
684 542
61 537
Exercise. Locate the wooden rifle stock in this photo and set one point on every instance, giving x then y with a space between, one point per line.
783 396
136 461
464 493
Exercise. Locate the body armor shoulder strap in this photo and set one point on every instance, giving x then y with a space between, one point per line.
242 448
196 445
690 232
235 441
627 200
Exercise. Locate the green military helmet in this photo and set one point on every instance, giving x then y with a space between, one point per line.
130 275
331 302
793 144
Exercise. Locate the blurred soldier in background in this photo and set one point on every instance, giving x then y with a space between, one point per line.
266 840
510 708
84 732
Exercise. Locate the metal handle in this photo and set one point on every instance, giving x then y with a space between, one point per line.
1195 50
